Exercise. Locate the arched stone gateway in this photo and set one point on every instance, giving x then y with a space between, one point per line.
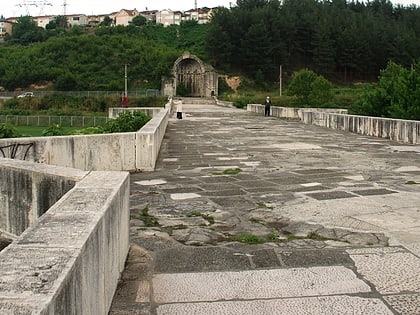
189 72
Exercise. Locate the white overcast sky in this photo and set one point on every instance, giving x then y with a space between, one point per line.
9 8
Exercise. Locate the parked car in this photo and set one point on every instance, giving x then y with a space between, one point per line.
26 94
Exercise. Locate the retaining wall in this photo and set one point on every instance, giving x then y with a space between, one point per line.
110 152
69 260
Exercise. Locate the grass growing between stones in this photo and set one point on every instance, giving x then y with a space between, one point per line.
169 229
148 219
255 220
229 171
315 236
193 214
253 239
206 217
263 205
248 238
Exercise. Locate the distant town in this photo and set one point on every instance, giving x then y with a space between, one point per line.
123 17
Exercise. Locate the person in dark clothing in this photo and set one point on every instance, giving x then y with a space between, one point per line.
267 105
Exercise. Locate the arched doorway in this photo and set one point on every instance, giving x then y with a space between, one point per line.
195 78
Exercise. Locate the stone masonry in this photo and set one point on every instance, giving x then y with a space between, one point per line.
247 214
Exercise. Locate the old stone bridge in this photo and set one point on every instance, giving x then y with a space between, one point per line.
243 214
247 214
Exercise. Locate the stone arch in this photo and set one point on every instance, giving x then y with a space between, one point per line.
198 78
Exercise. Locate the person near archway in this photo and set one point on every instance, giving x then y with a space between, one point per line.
179 109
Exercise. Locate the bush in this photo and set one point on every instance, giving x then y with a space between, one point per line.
8 131
310 89
127 122
54 130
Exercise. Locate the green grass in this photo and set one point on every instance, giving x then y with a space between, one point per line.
36 131
229 171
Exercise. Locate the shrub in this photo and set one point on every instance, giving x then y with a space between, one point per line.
8 131
127 122
311 90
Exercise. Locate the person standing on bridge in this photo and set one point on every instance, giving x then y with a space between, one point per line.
267 106
179 109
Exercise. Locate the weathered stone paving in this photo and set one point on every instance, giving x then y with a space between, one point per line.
248 214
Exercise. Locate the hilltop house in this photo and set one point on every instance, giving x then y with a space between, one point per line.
122 17
168 17
5 28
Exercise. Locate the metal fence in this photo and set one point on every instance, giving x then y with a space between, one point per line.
46 121
131 93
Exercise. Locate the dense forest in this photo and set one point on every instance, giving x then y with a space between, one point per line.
341 40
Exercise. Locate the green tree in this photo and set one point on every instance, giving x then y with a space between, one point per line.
59 21
25 31
107 21
397 95
310 88
139 20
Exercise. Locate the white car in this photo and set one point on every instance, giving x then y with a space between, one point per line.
26 94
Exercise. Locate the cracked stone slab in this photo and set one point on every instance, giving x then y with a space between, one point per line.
391 271
404 303
278 283
195 259
314 257
343 305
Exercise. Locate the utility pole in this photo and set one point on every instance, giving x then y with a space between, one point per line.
124 99
64 8
280 76
125 80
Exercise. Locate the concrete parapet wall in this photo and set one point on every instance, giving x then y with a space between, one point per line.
70 260
406 131
150 111
224 103
102 152
149 140
28 190
114 151
290 112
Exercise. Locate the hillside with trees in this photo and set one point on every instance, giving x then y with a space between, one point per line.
341 40
94 59
336 41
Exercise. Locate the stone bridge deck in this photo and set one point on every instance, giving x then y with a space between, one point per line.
253 215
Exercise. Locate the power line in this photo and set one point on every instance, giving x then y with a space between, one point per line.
38 4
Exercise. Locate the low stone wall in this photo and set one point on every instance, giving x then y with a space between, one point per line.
70 260
407 131
150 111
28 190
290 112
223 103
102 152
149 140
